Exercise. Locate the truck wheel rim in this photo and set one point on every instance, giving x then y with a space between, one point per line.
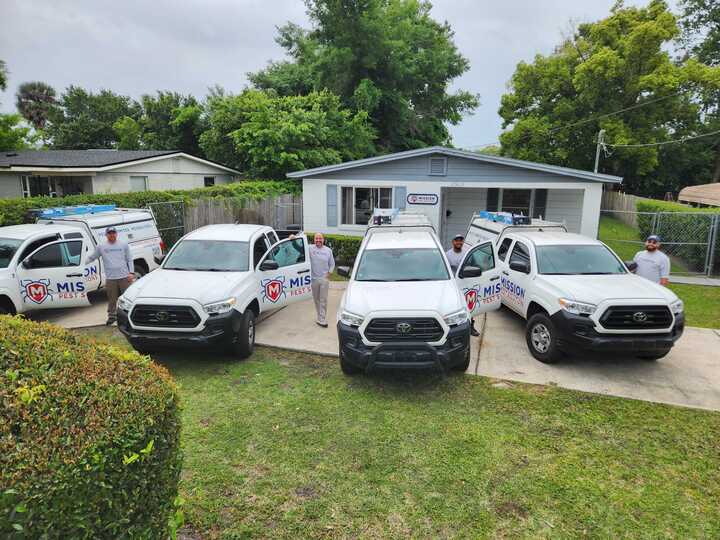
251 332
540 337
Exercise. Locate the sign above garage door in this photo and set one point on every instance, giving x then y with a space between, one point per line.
422 198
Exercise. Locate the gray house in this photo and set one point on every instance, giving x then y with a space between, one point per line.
449 186
28 173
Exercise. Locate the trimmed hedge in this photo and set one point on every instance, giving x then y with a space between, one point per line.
345 248
15 211
89 437
685 228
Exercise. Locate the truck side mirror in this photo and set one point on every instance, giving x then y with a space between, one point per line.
344 271
269 264
27 263
159 259
469 272
631 265
520 266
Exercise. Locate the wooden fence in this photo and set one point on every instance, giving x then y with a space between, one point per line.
621 206
277 212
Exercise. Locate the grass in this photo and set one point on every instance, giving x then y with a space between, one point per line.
702 303
283 445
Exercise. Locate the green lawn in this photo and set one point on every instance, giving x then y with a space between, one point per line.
283 445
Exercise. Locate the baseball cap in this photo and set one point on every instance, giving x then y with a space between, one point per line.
110 230
458 237
653 238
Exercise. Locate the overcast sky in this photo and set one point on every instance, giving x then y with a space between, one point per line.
138 46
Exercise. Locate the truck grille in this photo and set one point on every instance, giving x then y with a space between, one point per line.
396 329
164 316
636 318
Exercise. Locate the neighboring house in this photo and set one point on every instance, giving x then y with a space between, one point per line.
449 186
28 173
702 195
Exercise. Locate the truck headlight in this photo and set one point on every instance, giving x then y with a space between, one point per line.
677 307
577 308
350 319
456 318
124 304
219 307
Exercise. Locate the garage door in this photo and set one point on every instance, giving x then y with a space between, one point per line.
461 204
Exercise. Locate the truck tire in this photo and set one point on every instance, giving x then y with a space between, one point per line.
244 339
651 357
541 338
139 270
466 361
346 367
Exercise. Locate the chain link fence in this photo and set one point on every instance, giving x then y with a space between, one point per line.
690 239
170 219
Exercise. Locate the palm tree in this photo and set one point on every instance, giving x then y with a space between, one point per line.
34 102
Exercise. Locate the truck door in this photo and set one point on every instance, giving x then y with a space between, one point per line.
91 271
515 278
284 274
482 292
53 275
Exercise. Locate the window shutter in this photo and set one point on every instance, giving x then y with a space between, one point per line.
331 205
438 166
400 197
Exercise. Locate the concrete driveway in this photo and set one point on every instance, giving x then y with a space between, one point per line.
688 376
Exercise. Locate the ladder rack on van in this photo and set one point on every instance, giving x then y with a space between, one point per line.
493 225
65 211
392 217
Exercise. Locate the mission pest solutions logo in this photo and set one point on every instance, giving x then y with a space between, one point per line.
273 289
36 291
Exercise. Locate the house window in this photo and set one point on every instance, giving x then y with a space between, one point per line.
358 203
209 181
529 202
539 203
516 201
35 186
138 183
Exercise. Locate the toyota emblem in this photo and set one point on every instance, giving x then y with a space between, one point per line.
640 316
162 316
403 328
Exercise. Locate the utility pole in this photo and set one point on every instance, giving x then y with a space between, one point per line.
600 141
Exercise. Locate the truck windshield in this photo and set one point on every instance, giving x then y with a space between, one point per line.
8 247
577 260
209 256
401 265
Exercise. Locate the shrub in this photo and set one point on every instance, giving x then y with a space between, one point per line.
16 211
345 248
89 437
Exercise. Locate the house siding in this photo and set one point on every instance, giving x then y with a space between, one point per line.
10 187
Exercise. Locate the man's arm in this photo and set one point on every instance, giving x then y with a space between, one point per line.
94 255
665 271
129 261
332 262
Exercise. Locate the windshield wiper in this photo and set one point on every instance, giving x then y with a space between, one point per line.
181 269
597 273
380 280
417 279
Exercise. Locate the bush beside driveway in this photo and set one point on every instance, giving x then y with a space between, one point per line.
283 445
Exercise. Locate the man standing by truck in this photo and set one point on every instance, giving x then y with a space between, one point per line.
322 264
118 264
652 263
455 256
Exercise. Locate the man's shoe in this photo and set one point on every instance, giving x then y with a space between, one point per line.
474 332
110 321
324 325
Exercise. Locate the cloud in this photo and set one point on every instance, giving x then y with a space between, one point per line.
137 46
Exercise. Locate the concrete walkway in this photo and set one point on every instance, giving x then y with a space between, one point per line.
695 280
688 376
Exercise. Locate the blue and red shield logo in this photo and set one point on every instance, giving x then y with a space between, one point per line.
36 291
273 289
471 298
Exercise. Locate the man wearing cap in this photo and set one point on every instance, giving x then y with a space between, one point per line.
455 257
119 271
457 252
652 263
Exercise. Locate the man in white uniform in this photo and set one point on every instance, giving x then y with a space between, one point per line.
652 263
322 263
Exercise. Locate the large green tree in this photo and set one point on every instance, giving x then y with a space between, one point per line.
171 121
389 58
3 75
34 101
84 119
13 134
619 63
267 136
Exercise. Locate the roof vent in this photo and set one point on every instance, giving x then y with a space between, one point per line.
438 166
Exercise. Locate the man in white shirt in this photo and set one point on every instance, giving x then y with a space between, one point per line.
322 264
652 263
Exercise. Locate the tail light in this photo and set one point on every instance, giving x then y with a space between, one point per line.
162 247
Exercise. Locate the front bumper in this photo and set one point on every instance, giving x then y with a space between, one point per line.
577 332
410 354
219 330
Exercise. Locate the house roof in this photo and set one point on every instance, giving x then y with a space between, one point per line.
703 194
88 160
451 152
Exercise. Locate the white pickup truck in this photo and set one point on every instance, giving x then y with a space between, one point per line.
576 294
404 306
42 265
212 286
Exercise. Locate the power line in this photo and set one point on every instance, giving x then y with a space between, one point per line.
681 140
